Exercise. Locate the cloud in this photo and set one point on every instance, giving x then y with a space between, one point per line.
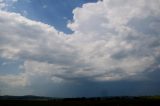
113 38
4 4
111 41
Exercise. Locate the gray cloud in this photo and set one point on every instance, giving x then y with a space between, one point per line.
114 44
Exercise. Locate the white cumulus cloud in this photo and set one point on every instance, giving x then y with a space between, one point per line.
112 40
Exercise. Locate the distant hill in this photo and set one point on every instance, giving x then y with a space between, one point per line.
30 100
32 97
26 97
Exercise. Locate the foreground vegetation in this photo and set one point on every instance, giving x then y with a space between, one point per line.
108 101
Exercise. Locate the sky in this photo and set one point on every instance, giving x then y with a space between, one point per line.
80 48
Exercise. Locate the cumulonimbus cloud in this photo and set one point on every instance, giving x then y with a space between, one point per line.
111 40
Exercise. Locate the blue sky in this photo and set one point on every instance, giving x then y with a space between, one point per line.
75 48
53 12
